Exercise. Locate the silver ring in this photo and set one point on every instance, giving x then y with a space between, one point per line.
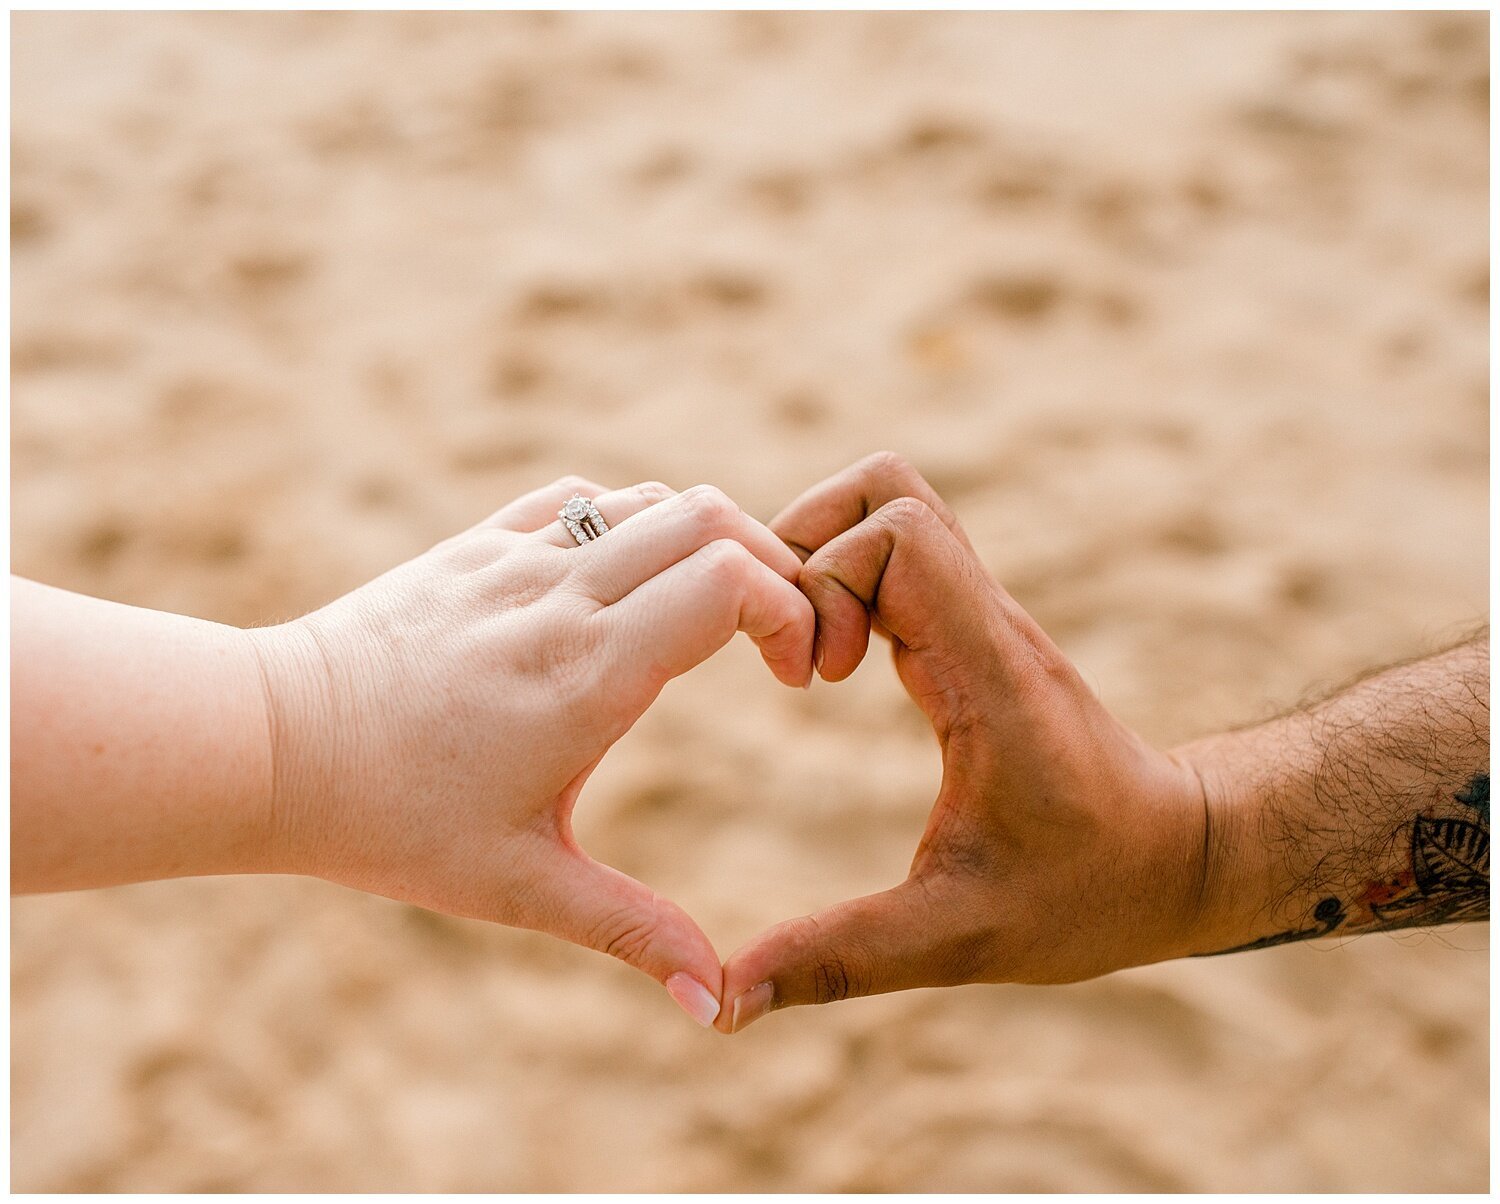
582 519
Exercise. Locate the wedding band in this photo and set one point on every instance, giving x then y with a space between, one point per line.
582 519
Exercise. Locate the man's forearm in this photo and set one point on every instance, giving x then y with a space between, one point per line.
1366 812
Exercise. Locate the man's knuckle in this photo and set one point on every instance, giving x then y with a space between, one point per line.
834 978
888 464
823 573
906 514
833 972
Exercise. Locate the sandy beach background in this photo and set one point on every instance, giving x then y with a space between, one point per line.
1185 315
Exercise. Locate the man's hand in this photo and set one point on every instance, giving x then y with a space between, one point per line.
1061 846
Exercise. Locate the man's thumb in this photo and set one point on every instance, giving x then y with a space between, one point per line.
890 941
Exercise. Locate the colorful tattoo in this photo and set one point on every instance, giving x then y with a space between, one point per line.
1447 880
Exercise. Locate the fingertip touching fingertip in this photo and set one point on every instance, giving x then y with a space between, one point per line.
803 554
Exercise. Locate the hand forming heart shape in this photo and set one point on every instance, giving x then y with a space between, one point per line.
1005 884
385 707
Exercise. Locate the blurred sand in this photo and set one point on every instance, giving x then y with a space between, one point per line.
1186 316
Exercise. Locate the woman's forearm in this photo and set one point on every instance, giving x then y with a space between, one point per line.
424 737
139 745
1363 813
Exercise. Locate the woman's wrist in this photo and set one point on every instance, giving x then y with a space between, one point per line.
142 745
295 690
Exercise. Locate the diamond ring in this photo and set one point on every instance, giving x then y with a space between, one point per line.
582 519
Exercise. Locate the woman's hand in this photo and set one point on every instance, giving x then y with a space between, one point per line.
431 730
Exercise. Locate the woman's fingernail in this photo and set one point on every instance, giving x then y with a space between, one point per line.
750 1006
693 998
817 656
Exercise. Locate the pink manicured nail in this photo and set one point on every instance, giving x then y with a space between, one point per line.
751 1005
693 998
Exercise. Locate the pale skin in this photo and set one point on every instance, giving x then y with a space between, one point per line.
426 737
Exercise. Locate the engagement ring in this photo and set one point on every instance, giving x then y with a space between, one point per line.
582 519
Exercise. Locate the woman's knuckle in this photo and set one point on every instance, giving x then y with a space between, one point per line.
709 505
625 934
725 558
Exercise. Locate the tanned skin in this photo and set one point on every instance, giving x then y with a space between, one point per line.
1371 808
1061 845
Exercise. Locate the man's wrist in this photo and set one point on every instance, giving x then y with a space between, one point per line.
1195 861
1212 923
1248 779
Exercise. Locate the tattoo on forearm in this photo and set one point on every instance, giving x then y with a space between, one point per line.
1446 879
1326 916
